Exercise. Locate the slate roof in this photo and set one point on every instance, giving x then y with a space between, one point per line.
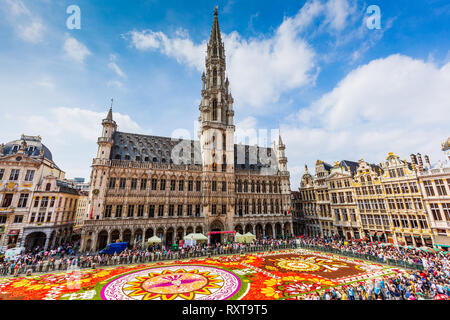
33 149
146 148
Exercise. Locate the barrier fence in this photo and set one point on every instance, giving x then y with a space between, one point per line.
369 257
83 263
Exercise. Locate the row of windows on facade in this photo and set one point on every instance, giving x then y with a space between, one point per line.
438 185
398 221
15 174
42 202
394 204
40 217
432 188
378 204
17 219
215 185
28 150
438 208
240 209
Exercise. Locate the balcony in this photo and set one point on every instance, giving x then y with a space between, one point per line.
440 224
105 140
432 172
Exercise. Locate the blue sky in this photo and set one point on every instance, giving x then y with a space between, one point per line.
335 88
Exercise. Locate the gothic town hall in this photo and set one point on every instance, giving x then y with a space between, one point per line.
143 186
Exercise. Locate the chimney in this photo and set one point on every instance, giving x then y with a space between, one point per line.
427 161
419 157
414 159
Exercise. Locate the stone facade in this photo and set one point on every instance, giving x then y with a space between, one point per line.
37 206
147 185
400 202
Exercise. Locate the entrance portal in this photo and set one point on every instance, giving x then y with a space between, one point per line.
216 226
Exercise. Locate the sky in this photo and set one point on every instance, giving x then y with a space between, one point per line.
317 70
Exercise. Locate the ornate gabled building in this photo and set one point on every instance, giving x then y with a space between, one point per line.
37 206
371 204
404 199
147 185
399 202
305 201
342 199
435 186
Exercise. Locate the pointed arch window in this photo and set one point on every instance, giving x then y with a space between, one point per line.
214 77
214 110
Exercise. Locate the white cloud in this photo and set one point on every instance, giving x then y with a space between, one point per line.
113 66
75 50
260 69
28 26
396 104
82 123
180 47
17 7
337 13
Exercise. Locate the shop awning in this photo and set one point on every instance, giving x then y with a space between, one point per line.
13 232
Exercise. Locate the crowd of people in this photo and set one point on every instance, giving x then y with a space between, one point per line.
430 282
66 257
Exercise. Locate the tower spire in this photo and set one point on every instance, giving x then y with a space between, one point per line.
215 31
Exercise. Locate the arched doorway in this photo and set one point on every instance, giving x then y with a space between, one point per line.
199 230
180 233
127 236
52 239
259 231
88 244
115 236
160 233
189 230
149 233
269 231
169 237
249 228
278 231
287 229
217 225
137 236
102 240
239 229
34 240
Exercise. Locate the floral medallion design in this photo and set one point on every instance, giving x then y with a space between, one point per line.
188 282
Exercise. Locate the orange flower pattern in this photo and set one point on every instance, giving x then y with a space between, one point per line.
286 274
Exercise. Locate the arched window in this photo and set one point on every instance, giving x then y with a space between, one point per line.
224 142
47 187
214 77
214 110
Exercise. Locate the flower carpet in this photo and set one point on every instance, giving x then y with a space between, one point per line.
287 274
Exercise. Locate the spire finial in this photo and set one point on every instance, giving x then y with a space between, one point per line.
215 10
110 115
